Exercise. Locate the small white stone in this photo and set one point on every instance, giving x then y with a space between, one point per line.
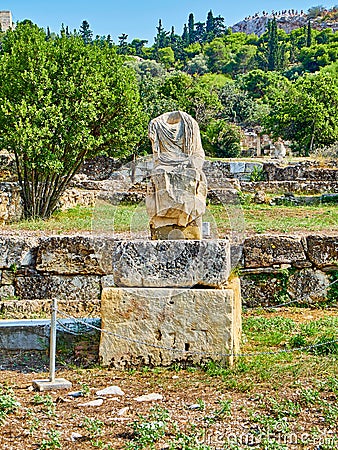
75 436
149 397
97 402
195 406
123 411
111 390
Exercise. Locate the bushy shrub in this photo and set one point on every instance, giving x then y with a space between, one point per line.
222 139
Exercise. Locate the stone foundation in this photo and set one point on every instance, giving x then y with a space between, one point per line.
165 326
273 269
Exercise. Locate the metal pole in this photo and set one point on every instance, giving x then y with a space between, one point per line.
52 342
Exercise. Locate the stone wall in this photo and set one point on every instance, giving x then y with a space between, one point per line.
10 203
273 270
281 269
105 179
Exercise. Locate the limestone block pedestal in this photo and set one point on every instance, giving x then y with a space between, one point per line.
162 326
170 301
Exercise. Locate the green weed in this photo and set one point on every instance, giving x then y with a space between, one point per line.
309 396
47 402
93 426
148 430
52 442
8 404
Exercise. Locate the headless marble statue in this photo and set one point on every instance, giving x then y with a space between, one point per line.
177 194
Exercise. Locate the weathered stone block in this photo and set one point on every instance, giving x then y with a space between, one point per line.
263 289
6 292
10 202
264 251
237 167
156 327
323 251
7 277
171 263
32 309
63 287
308 286
75 255
16 252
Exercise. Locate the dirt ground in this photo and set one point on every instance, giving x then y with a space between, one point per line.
182 394
275 402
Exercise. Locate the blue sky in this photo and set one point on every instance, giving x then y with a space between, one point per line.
139 18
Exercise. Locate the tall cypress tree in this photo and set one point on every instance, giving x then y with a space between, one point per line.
209 27
191 28
185 35
161 39
308 34
85 32
172 36
272 45
200 32
123 46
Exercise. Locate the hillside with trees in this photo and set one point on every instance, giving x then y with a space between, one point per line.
283 82
68 96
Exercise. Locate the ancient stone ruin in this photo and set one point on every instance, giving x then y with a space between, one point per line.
178 191
157 300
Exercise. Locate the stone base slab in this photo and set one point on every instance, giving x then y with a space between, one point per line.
47 385
163 326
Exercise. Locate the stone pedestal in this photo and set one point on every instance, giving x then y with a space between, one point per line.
169 302
166 326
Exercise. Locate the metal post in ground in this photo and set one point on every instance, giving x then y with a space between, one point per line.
52 341
52 383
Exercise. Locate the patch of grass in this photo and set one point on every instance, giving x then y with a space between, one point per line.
133 218
309 396
52 441
263 324
148 430
47 402
8 404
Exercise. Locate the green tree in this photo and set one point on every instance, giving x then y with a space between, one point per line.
308 34
195 95
272 45
166 56
123 46
239 107
266 86
315 11
317 56
218 55
197 65
162 36
138 46
222 139
191 28
309 116
62 101
85 32
210 24
185 36
200 32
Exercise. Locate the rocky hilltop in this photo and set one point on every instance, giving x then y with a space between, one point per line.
286 20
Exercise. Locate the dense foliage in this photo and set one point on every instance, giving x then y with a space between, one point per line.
273 81
62 101
68 96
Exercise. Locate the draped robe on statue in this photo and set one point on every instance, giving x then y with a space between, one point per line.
177 194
